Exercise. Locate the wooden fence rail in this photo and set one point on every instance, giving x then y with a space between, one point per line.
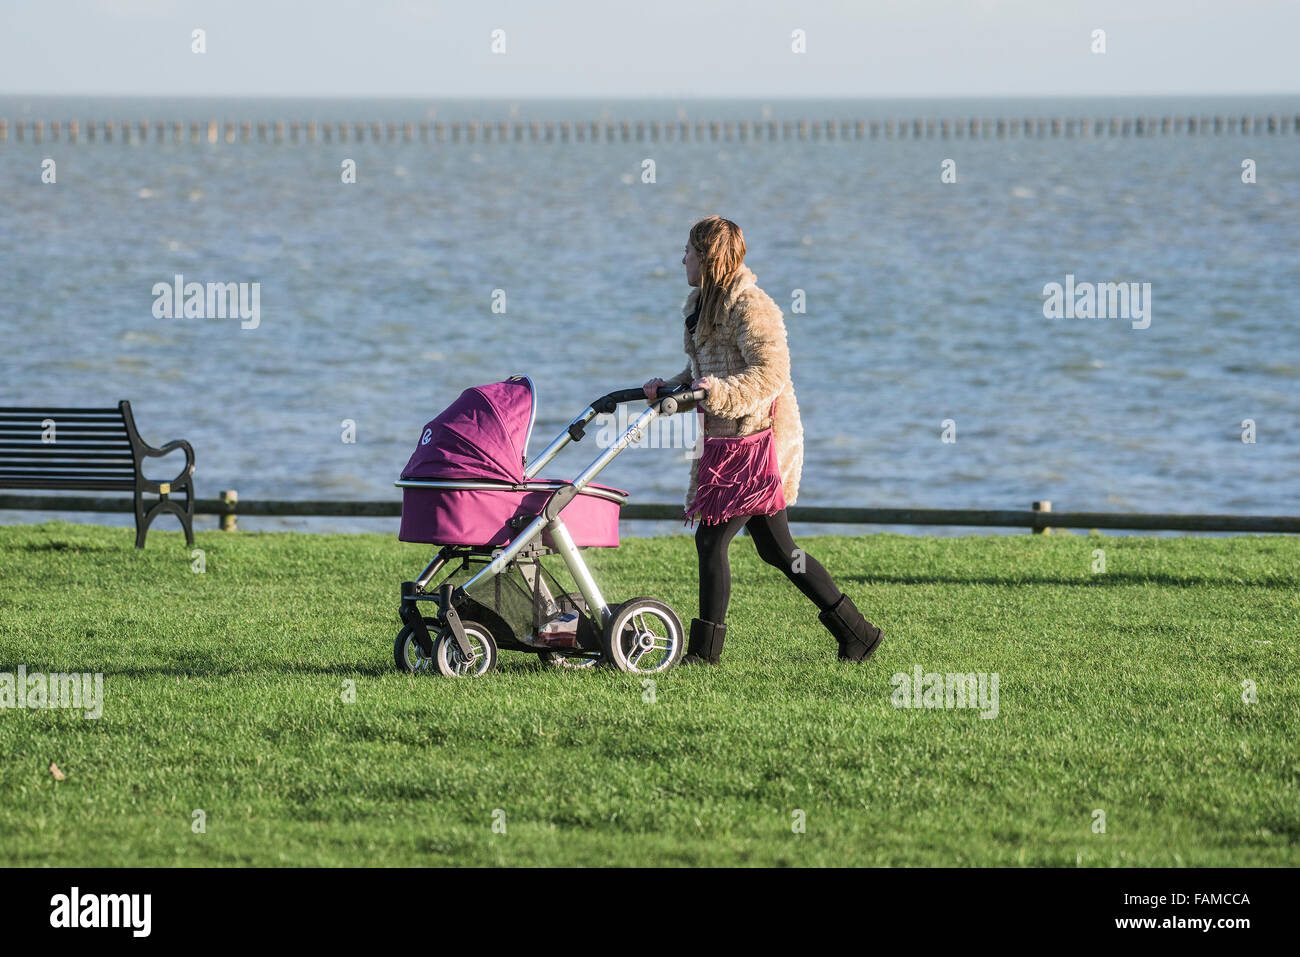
1039 518
595 131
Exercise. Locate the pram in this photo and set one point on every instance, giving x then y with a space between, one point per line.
470 489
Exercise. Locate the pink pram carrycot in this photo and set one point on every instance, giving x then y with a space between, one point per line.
470 464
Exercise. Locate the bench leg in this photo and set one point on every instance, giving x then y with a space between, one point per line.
141 521
144 519
187 516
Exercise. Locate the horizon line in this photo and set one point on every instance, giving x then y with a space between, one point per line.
655 97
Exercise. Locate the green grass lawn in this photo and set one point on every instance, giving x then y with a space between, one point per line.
1119 692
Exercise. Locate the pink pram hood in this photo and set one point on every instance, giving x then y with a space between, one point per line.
482 435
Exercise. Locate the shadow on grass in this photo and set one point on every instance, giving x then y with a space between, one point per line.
515 664
223 670
1102 580
73 546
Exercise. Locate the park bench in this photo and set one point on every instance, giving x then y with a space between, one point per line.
56 449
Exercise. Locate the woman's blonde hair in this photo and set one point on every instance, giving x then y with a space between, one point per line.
720 247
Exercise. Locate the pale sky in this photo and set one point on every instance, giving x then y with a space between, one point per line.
653 48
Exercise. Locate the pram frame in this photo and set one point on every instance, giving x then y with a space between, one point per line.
550 520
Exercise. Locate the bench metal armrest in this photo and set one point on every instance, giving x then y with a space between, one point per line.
170 447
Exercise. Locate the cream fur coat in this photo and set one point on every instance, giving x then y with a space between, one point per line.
746 360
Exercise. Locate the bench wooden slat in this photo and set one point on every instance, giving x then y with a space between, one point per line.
36 410
89 485
107 425
113 415
79 474
102 446
17 445
53 462
82 441
49 452
85 441
9 466
35 428
62 465
95 464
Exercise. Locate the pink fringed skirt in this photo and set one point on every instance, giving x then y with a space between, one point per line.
738 475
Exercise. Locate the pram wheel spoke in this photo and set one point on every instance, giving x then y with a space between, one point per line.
643 636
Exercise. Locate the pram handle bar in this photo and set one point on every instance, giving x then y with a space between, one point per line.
682 395
668 403
607 403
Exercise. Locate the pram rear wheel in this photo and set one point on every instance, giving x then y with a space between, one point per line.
643 636
449 662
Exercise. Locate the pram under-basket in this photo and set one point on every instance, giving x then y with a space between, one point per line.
519 601
479 512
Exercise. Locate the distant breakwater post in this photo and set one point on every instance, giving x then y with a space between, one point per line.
683 131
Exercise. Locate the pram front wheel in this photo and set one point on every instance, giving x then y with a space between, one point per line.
449 661
643 636
407 654
446 660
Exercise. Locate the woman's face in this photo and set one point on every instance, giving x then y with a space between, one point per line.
692 264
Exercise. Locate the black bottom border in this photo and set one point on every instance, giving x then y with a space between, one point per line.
333 905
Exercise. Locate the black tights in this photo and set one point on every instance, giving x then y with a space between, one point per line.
771 534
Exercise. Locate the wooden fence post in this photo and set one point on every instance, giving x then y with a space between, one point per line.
229 497
1042 507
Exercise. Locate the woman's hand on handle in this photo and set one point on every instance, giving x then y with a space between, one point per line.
653 387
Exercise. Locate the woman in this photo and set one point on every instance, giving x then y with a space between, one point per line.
752 458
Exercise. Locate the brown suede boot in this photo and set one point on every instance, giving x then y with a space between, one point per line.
705 644
856 636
